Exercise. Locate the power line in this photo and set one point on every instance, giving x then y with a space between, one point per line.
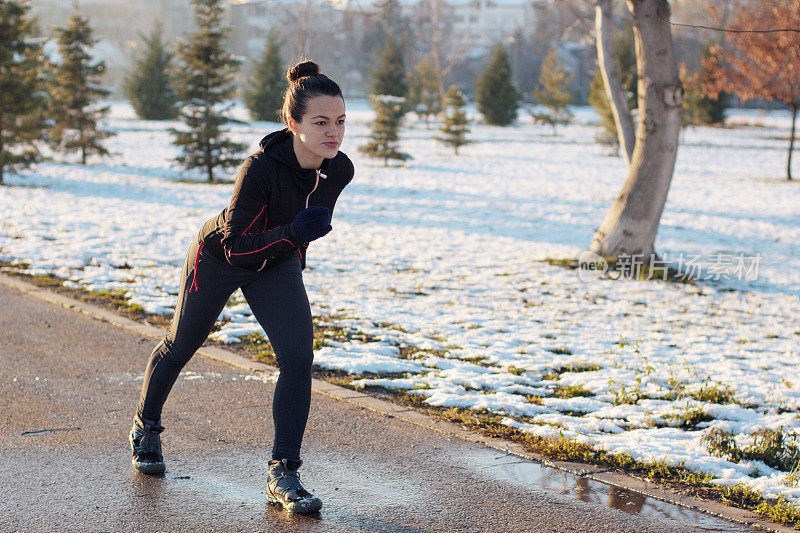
730 30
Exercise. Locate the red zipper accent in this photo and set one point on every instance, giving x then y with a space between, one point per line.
194 286
254 221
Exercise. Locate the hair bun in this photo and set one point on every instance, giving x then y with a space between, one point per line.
302 70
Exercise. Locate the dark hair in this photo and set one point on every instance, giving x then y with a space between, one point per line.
305 82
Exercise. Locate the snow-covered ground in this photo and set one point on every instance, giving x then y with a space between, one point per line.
447 254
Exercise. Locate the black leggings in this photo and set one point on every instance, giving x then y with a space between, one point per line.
279 302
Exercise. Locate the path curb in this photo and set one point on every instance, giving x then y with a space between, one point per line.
407 414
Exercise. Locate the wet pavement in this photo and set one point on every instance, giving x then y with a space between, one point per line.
69 386
533 476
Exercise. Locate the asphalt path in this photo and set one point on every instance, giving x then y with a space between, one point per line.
69 385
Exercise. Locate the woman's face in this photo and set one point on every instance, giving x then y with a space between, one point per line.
321 129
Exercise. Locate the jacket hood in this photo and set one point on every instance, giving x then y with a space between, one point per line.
274 138
278 145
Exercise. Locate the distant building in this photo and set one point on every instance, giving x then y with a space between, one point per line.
480 24
117 25
578 59
473 24
467 29
251 21
305 28
342 35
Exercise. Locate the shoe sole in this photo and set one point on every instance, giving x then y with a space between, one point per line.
299 507
149 468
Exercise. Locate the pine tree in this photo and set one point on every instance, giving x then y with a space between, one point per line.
423 92
74 92
554 93
496 96
599 100
625 53
389 78
455 127
385 127
147 85
204 86
699 108
263 94
21 100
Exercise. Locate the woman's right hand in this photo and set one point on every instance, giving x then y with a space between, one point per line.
312 223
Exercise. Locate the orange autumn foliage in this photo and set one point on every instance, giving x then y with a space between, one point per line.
761 65
765 65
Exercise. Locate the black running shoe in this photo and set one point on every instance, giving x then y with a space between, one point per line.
284 488
146 448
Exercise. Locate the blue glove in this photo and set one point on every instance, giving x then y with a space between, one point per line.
312 223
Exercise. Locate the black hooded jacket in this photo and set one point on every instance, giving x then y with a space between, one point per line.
255 231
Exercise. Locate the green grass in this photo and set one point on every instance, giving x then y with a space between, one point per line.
714 394
534 399
562 350
480 361
572 391
690 417
710 392
577 367
623 394
720 443
259 348
342 381
390 325
779 511
771 446
14 265
742 496
117 299
563 262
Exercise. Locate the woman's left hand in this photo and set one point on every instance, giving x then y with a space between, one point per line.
312 223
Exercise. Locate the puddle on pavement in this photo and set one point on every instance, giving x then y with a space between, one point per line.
359 479
503 467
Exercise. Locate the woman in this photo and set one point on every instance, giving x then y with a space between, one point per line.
283 198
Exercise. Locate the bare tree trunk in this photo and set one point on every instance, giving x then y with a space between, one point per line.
209 163
304 20
630 226
793 107
436 48
445 58
611 79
